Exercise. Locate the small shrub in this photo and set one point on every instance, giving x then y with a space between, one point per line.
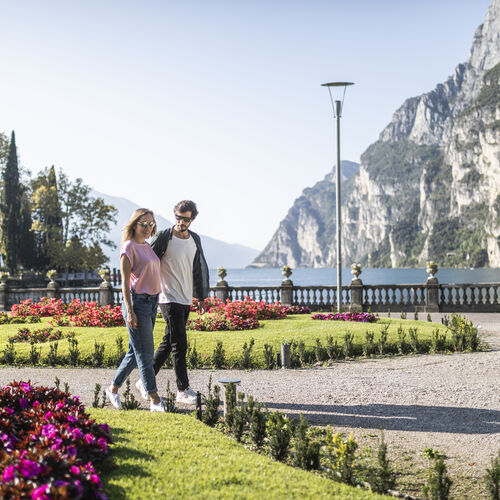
219 356
294 354
257 422
35 354
438 341
401 340
368 346
246 355
492 478
332 348
342 453
120 350
403 315
429 319
211 414
239 417
129 402
382 477
57 382
9 353
73 352
97 357
279 432
230 403
52 357
348 344
415 315
301 349
388 313
320 352
193 358
306 450
382 341
438 482
97 393
414 343
269 358
169 400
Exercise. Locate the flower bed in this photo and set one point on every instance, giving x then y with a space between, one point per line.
76 313
235 315
297 310
48 445
41 335
348 316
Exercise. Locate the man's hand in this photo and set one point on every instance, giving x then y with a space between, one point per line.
202 308
132 319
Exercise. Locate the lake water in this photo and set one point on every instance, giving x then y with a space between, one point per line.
369 276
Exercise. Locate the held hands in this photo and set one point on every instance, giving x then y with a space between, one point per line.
202 308
132 319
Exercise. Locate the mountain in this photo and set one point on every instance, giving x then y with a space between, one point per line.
429 188
217 253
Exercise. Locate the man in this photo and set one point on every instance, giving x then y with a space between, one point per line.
183 275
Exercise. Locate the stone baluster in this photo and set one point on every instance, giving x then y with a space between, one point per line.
4 292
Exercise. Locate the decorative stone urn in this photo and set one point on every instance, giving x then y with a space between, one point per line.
105 274
286 271
431 268
221 273
52 275
4 277
356 270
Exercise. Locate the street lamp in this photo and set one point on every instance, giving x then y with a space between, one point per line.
337 113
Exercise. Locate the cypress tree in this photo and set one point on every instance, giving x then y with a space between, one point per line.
11 208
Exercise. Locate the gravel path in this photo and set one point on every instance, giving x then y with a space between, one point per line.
447 402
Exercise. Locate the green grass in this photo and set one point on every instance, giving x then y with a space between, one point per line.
175 456
272 332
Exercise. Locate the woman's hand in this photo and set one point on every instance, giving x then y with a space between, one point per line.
132 319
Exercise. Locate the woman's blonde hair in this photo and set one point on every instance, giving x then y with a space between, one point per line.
129 231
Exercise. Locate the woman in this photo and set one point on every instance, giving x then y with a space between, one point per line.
140 268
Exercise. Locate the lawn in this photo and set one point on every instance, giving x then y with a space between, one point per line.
176 456
272 332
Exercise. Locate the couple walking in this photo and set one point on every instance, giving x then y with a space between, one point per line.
170 271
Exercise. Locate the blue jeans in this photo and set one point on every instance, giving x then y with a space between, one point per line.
141 342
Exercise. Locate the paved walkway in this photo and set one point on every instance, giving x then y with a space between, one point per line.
447 402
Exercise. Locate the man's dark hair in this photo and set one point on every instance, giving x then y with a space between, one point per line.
186 206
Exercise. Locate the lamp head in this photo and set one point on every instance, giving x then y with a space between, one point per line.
338 104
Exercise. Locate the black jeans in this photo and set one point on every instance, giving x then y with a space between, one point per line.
174 341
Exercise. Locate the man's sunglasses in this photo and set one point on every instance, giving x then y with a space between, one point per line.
145 225
185 219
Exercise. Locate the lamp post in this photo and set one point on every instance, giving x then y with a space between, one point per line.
337 105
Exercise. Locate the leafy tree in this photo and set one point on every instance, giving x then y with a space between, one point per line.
11 208
47 219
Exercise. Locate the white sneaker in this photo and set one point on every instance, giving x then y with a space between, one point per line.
158 407
188 397
113 398
141 389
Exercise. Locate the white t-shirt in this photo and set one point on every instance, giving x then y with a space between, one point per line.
176 271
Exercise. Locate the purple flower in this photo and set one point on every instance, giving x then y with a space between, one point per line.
59 405
26 387
104 427
79 487
23 403
39 493
48 415
72 418
57 444
28 468
8 473
60 483
71 451
77 433
10 411
49 430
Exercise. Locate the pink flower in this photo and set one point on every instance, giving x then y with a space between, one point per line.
72 418
49 431
10 411
35 404
95 479
48 415
59 405
39 493
74 469
57 444
89 438
8 473
77 433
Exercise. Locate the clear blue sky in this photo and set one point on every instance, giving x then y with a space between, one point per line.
217 101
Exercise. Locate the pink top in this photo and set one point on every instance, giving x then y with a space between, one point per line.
145 275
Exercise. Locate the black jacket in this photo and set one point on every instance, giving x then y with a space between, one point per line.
200 269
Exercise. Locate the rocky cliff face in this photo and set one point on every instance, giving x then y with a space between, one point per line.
429 188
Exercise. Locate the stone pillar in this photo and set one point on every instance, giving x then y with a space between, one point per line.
106 294
4 293
53 289
357 295
432 295
287 293
222 288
